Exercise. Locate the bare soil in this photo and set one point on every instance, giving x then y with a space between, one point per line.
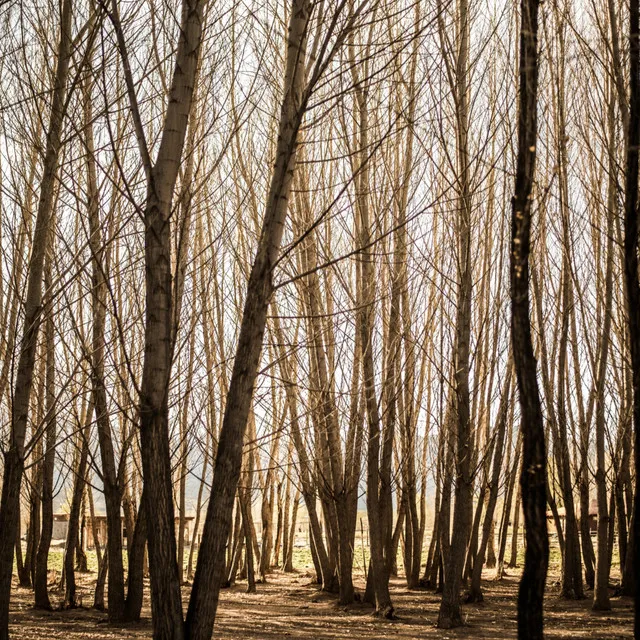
290 606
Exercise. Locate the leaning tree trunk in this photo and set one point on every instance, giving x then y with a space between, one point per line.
211 560
14 456
161 177
320 555
99 296
533 479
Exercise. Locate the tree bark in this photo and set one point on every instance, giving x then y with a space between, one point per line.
161 176
632 288
601 600
75 520
135 576
110 480
208 576
475 593
449 615
533 479
48 466
14 456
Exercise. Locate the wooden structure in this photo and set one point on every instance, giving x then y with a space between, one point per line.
61 526
593 517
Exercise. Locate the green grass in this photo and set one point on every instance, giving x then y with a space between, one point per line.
302 560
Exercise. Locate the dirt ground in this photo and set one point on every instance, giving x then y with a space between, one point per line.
289 606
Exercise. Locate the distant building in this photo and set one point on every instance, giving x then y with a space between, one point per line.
592 516
61 526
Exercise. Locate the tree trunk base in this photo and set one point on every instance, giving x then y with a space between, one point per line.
474 596
67 605
449 617
570 594
331 586
601 606
388 613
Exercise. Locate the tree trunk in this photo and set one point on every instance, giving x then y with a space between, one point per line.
632 288
450 615
475 594
136 543
161 176
103 567
48 467
99 292
326 572
512 474
533 479
601 600
208 577
73 532
380 436
14 456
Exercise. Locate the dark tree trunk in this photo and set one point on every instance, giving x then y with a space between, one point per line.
208 577
98 596
14 455
110 480
135 579
475 593
506 515
74 514
533 479
631 274
161 177
42 557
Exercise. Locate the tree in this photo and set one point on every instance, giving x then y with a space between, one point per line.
14 457
208 575
533 478
632 284
161 177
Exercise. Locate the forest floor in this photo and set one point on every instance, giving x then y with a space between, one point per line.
290 606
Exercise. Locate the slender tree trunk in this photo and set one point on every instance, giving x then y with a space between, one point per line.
572 565
103 568
601 600
288 561
380 439
14 456
75 521
110 480
308 493
475 594
48 467
450 615
511 473
208 577
136 543
513 559
533 479
161 176
631 272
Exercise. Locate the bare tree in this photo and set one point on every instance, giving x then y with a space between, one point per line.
533 477
14 457
631 269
